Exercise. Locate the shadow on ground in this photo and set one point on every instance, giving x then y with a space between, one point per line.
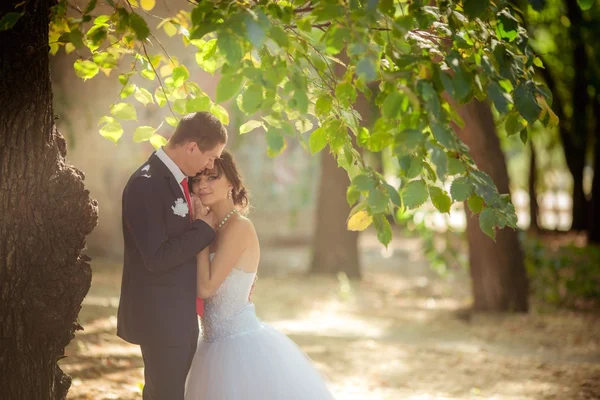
398 334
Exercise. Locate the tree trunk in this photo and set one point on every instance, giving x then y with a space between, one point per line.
575 144
534 209
594 236
45 215
335 247
497 271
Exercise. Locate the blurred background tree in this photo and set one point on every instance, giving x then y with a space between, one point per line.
386 164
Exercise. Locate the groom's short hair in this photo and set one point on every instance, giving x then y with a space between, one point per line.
203 128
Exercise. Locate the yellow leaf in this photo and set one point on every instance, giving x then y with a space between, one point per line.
170 29
148 4
547 109
424 72
166 70
158 141
359 221
69 47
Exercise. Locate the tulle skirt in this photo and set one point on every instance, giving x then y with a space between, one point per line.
262 364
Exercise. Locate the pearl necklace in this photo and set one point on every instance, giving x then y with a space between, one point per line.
226 218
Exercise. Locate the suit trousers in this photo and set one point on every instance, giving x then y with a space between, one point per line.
166 368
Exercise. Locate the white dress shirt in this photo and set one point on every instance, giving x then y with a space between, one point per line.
175 170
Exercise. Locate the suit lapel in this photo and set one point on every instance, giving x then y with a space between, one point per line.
162 169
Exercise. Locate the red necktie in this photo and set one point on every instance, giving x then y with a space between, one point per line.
186 190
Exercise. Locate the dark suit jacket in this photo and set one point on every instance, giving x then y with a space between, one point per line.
158 289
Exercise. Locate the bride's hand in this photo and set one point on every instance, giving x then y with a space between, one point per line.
203 213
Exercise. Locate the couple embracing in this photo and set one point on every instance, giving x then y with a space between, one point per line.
191 252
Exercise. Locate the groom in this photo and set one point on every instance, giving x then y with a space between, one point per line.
162 237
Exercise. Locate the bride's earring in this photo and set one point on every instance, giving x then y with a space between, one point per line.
229 195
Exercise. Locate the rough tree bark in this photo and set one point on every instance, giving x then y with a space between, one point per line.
498 275
335 247
594 236
534 208
45 215
575 143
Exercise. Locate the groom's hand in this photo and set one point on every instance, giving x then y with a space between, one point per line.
202 212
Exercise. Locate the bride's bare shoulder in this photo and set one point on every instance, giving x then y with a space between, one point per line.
243 227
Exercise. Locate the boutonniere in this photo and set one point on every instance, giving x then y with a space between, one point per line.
180 208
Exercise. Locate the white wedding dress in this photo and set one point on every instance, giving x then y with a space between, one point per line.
240 358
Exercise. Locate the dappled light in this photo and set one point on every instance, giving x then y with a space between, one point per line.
395 335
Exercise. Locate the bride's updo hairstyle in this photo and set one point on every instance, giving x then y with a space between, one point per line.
239 193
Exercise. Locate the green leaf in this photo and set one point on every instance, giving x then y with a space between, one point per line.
409 140
275 142
124 111
323 105
111 129
523 135
440 159
198 104
345 93
487 222
475 204
221 113
279 36
143 133
255 31
411 166
378 200
352 195
443 135
475 8
463 84
440 199
159 95
128 90
393 194
392 105
526 102
139 26
586 4
86 69
383 228
317 140
143 96
500 98
461 189
513 124
252 98
250 126
172 121
455 166
231 46
414 194
180 76
364 183
9 20
228 86
367 69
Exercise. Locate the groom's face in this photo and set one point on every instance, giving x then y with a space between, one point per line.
199 160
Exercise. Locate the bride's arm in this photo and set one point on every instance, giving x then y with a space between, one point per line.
211 275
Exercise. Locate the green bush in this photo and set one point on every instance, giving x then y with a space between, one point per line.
565 275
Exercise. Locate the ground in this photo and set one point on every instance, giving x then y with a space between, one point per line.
400 333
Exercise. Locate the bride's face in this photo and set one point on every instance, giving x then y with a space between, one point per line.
210 187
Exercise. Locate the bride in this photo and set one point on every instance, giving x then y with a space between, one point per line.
238 357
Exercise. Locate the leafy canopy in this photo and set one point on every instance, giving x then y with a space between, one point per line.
296 68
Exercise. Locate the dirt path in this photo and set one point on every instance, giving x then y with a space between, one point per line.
399 334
